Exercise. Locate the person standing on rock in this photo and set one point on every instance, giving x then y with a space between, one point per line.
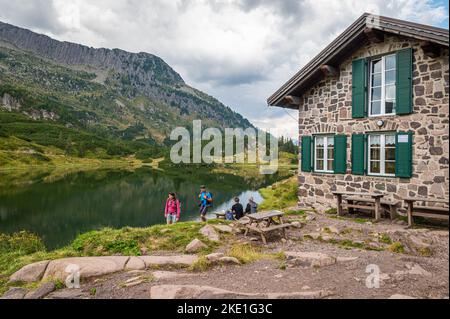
206 201
173 209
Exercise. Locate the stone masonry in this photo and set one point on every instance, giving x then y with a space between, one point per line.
326 108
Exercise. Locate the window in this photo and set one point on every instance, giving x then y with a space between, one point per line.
324 154
382 154
382 93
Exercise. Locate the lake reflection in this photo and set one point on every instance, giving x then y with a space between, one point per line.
80 202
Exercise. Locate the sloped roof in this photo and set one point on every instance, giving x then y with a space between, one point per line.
353 37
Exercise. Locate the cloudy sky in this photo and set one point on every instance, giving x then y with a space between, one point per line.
239 51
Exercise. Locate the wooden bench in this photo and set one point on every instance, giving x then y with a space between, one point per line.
426 211
220 215
390 205
375 197
264 230
273 220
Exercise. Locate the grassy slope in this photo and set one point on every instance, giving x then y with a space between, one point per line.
280 195
20 249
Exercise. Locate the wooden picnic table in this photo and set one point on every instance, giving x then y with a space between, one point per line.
266 222
375 196
426 210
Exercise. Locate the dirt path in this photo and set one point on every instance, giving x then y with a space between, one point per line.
410 262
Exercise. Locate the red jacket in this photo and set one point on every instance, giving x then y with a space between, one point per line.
172 207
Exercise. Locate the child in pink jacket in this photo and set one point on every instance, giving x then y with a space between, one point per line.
173 209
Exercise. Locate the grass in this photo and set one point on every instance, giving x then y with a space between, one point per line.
331 211
397 247
20 249
280 195
295 213
247 253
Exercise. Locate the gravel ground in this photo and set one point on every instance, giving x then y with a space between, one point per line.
411 273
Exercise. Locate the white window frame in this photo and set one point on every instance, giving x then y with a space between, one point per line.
382 155
383 86
325 154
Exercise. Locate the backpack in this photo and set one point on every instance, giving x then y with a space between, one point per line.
211 201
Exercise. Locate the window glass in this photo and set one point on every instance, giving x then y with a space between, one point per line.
382 154
383 85
376 66
324 152
390 62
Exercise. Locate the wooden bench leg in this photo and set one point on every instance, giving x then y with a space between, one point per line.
393 212
284 233
339 205
377 209
264 239
410 214
350 209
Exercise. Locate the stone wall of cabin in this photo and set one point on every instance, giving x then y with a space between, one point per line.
326 108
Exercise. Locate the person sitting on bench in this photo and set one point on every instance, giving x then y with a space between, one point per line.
237 209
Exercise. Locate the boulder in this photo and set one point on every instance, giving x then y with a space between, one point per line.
160 275
205 292
334 230
135 263
161 261
195 246
413 269
30 273
88 266
399 296
15 293
313 235
214 257
196 292
209 232
312 259
68 294
224 228
301 295
42 291
296 224
229 261
345 259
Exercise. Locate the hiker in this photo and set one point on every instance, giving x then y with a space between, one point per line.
172 210
206 201
237 209
252 207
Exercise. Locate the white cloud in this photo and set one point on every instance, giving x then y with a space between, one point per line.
240 51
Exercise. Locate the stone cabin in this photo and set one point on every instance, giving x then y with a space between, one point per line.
373 113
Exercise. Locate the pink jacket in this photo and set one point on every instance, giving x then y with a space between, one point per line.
172 207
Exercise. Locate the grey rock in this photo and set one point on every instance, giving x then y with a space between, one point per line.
15 293
195 246
229 261
42 291
30 273
210 233
215 257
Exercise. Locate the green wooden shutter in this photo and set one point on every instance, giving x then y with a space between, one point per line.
359 88
358 154
403 154
340 154
306 154
404 81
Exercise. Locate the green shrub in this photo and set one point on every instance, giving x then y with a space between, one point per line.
23 242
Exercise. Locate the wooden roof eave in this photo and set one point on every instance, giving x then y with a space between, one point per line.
307 76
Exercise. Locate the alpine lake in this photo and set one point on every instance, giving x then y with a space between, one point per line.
58 207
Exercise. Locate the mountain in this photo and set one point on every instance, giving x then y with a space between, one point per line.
112 94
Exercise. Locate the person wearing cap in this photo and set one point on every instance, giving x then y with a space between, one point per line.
205 202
